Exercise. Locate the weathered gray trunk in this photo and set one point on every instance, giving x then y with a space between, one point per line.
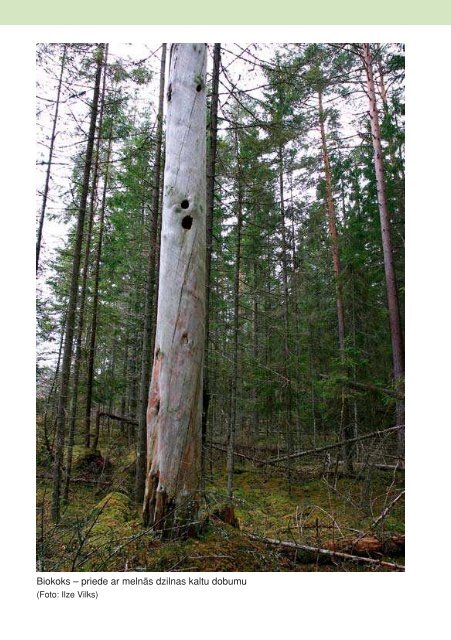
146 362
174 411
390 277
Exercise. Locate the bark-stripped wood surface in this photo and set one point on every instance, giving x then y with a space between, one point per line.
175 397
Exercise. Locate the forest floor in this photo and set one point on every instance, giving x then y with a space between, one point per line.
101 530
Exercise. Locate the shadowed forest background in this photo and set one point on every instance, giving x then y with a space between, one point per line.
303 383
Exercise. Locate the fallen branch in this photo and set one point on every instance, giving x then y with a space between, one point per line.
112 416
388 467
391 544
240 455
361 466
386 511
360 386
250 448
365 386
281 467
317 551
258 461
48 476
310 452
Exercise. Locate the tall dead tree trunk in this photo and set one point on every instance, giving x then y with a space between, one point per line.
50 159
72 302
333 237
397 341
146 362
174 413
211 172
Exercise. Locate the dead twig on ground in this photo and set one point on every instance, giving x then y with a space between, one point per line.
314 552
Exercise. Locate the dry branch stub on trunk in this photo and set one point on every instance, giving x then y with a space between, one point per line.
174 411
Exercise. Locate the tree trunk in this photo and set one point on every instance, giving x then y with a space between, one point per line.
146 362
95 299
211 171
236 319
174 413
72 302
49 163
333 236
124 378
52 393
286 313
390 276
255 355
81 311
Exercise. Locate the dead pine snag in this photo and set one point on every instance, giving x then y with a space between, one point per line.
174 412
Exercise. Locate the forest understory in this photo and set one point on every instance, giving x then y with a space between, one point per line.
274 525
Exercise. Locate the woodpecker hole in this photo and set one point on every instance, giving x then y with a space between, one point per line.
187 222
185 204
198 88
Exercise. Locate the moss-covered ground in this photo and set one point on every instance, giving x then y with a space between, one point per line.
101 530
